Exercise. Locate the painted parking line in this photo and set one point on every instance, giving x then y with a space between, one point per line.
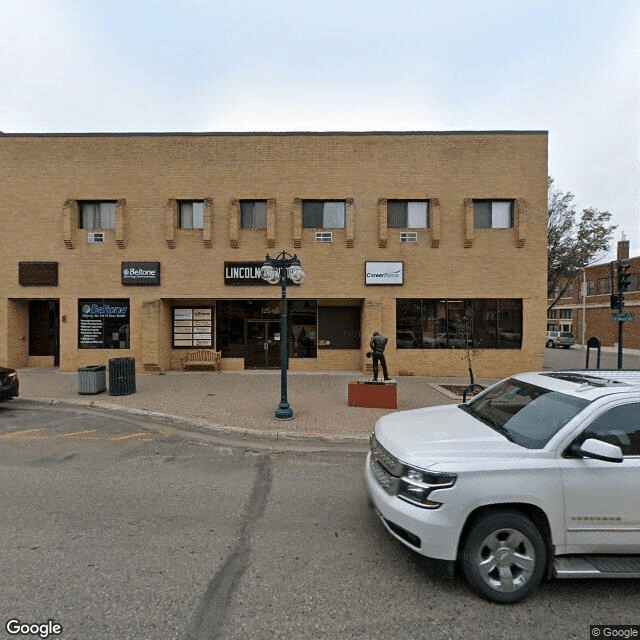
131 436
17 435
36 434
73 434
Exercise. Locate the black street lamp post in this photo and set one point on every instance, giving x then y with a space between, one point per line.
277 271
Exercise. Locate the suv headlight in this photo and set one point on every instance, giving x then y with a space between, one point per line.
416 485
408 483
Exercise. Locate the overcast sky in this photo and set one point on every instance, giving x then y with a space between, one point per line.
571 67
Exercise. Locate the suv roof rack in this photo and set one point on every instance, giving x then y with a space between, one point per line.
598 377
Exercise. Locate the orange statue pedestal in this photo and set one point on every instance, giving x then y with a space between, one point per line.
374 395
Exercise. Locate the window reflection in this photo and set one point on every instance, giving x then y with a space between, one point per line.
432 323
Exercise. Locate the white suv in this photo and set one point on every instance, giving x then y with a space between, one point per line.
537 475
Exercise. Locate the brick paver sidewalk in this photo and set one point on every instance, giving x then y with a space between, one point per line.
243 402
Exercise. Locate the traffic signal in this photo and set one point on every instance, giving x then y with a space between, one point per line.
624 277
617 301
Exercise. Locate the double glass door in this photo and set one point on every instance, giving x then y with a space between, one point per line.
262 344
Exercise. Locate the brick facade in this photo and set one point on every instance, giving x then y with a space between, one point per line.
44 177
600 281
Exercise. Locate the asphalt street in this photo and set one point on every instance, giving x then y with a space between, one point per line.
117 526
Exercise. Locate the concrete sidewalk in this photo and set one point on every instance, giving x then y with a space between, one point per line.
242 404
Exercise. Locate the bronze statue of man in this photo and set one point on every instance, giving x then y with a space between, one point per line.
377 344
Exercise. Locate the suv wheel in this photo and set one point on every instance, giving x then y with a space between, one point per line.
550 344
504 557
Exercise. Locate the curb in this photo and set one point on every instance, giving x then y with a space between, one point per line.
228 431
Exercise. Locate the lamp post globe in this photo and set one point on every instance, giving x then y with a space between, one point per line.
276 271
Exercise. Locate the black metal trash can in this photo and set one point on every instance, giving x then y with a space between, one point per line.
122 376
92 379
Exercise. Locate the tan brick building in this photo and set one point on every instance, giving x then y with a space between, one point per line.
145 245
591 315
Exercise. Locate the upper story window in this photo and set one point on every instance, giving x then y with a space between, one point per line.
97 215
493 214
605 285
191 214
323 214
253 214
591 287
408 214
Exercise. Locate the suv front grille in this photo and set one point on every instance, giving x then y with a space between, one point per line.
388 461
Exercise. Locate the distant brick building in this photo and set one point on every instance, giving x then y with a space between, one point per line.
591 315
145 245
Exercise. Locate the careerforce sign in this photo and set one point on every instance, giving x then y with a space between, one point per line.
384 272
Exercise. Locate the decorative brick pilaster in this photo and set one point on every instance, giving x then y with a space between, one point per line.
521 222
296 217
350 222
382 223
121 219
207 222
171 222
271 223
469 223
434 214
234 223
69 222
151 344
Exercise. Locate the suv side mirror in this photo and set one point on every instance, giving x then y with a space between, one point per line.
598 450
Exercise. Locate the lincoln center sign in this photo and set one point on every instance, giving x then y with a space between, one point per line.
245 273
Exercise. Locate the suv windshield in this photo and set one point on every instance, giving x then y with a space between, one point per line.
524 413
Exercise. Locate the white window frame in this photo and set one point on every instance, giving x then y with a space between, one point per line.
416 214
334 214
261 223
97 214
190 216
501 214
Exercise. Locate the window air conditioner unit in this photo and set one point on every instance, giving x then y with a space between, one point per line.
95 238
409 236
324 237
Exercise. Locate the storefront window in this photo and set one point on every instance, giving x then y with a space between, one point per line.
103 324
431 323
232 317
339 327
303 320
192 327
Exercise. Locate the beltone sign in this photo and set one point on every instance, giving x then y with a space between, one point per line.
140 273
384 272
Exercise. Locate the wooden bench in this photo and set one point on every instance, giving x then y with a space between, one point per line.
201 359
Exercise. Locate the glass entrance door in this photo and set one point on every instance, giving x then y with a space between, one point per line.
262 344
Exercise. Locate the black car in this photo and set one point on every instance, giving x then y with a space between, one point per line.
9 384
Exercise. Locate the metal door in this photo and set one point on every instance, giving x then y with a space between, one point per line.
44 329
